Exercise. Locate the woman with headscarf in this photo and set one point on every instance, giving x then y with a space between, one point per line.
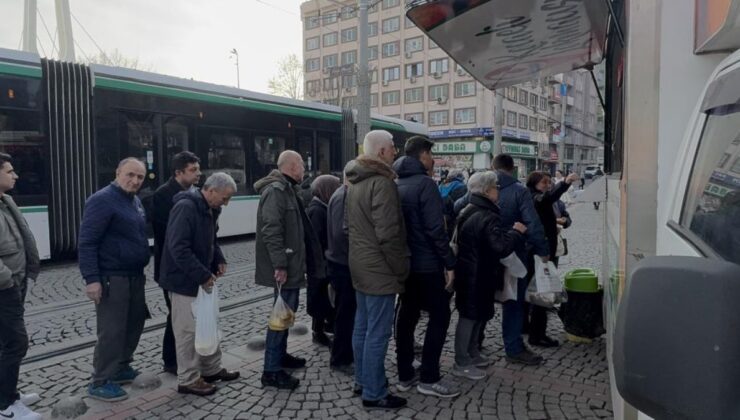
317 302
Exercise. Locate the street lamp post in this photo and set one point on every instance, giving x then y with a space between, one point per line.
235 54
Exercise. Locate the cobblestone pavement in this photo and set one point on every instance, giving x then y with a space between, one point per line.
572 384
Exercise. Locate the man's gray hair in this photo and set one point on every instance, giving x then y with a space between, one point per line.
376 140
219 181
130 159
481 182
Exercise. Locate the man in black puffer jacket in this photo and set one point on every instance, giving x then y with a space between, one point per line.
432 263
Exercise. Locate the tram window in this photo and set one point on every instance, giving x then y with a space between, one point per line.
323 163
266 152
712 206
176 139
304 146
20 137
226 154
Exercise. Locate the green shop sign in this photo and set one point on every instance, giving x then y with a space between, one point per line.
461 147
519 149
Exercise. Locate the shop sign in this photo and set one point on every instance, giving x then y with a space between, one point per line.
519 149
456 147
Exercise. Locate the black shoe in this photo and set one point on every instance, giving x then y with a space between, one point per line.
172 370
222 375
526 357
543 341
321 339
329 327
345 369
390 402
292 362
279 380
357 389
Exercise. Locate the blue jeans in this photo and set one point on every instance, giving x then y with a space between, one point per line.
373 323
276 343
513 321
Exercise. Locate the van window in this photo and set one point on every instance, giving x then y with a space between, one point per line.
712 206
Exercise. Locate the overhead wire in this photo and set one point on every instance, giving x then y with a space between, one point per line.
103 54
48 33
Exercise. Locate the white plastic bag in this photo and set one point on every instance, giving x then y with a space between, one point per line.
205 310
545 289
281 316
515 270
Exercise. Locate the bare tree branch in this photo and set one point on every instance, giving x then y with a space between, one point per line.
116 59
288 81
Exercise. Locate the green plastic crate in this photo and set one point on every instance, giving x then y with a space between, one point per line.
582 280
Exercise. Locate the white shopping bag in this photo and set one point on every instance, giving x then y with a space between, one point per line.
545 289
515 269
205 310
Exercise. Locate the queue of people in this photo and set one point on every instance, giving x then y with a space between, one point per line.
374 250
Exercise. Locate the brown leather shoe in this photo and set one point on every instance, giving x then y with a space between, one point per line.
199 387
222 375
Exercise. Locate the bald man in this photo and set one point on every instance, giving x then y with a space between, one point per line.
286 250
113 251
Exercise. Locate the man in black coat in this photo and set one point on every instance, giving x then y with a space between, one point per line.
186 173
432 265
191 260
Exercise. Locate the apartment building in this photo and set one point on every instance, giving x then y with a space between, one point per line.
412 78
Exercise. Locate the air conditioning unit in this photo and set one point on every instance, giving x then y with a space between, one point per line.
385 83
460 72
412 79
442 100
409 54
437 75
348 89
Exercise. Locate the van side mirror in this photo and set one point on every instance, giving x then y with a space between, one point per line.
677 339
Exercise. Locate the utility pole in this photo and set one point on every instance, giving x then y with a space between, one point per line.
29 27
563 107
235 54
64 29
498 122
363 77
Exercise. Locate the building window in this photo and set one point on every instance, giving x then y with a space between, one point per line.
349 81
438 92
372 29
330 61
391 98
331 17
373 7
523 97
312 64
373 77
312 22
415 117
331 83
391 49
543 103
349 57
348 12
511 119
523 120
330 39
387 4
533 123
349 34
414 95
373 100
533 100
438 117
312 43
391 73
511 93
414 44
569 152
372 53
432 45
543 126
414 70
313 87
439 66
391 24
465 116
463 89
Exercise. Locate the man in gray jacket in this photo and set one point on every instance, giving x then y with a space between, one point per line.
19 262
286 249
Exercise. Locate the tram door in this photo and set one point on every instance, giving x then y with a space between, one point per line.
305 146
176 132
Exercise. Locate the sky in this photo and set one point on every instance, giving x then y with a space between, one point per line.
184 38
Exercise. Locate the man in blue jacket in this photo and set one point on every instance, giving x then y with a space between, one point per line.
432 265
113 251
192 260
516 205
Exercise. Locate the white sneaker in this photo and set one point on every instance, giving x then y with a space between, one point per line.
30 399
470 372
18 411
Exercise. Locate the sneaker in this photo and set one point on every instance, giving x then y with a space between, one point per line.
441 389
108 391
348 370
390 402
18 411
322 339
222 375
29 399
279 380
481 361
526 357
469 372
125 376
543 342
200 388
292 362
403 386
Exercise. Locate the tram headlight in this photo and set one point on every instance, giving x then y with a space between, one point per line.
11 94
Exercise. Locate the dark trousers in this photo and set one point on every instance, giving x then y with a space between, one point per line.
120 314
318 304
13 344
346 306
423 291
169 351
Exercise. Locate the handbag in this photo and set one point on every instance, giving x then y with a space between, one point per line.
562 248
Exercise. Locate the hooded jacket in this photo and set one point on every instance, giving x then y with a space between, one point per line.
285 238
423 212
379 256
191 254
